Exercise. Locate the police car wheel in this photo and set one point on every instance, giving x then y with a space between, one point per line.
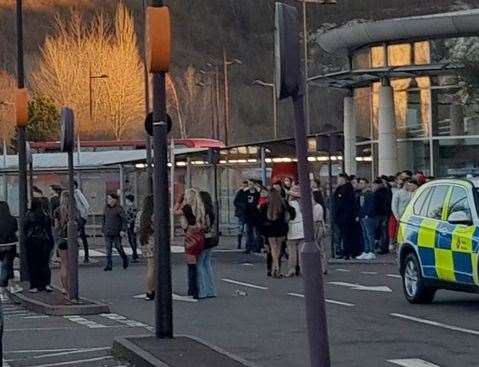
414 286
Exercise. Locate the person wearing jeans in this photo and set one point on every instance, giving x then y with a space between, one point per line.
383 211
368 218
114 229
206 281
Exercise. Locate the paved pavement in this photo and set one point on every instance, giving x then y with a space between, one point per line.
370 323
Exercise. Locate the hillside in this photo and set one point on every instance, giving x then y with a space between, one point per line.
202 28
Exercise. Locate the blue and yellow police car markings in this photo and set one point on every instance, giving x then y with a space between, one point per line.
426 242
462 244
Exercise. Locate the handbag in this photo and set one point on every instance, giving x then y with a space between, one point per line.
194 241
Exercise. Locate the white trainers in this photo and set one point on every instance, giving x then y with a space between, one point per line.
363 256
370 256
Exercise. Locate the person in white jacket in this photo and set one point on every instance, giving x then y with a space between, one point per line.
401 199
320 233
83 209
295 232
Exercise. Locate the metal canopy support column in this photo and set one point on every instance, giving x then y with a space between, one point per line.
387 146
349 131
263 165
122 184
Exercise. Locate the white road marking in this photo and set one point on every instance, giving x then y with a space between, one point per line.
435 323
72 362
124 320
359 287
82 321
176 297
412 362
247 264
343 270
394 276
244 284
53 329
128 251
37 317
5 363
39 350
82 350
369 272
327 300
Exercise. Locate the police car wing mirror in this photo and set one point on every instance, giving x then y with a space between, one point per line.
460 217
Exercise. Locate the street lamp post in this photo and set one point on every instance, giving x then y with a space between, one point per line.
90 90
275 104
226 64
213 72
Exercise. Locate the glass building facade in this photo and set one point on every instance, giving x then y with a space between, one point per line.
437 131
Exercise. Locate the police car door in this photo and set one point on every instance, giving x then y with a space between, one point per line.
460 263
440 232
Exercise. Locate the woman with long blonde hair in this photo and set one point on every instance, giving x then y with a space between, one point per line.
193 199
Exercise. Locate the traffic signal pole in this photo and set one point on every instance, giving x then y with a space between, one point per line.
311 264
21 149
290 84
161 225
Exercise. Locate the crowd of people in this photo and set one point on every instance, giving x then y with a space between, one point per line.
46 235
365 214
272 219
364 217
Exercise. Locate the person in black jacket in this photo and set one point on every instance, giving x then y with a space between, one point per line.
114 229
239 203
384 198
38 245
8 235
251 217
343 213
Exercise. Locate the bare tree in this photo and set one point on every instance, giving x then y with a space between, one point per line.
7 111
96 46
194 100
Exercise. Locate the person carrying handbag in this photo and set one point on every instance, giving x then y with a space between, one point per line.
193 221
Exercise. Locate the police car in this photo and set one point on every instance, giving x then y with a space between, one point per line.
438 239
